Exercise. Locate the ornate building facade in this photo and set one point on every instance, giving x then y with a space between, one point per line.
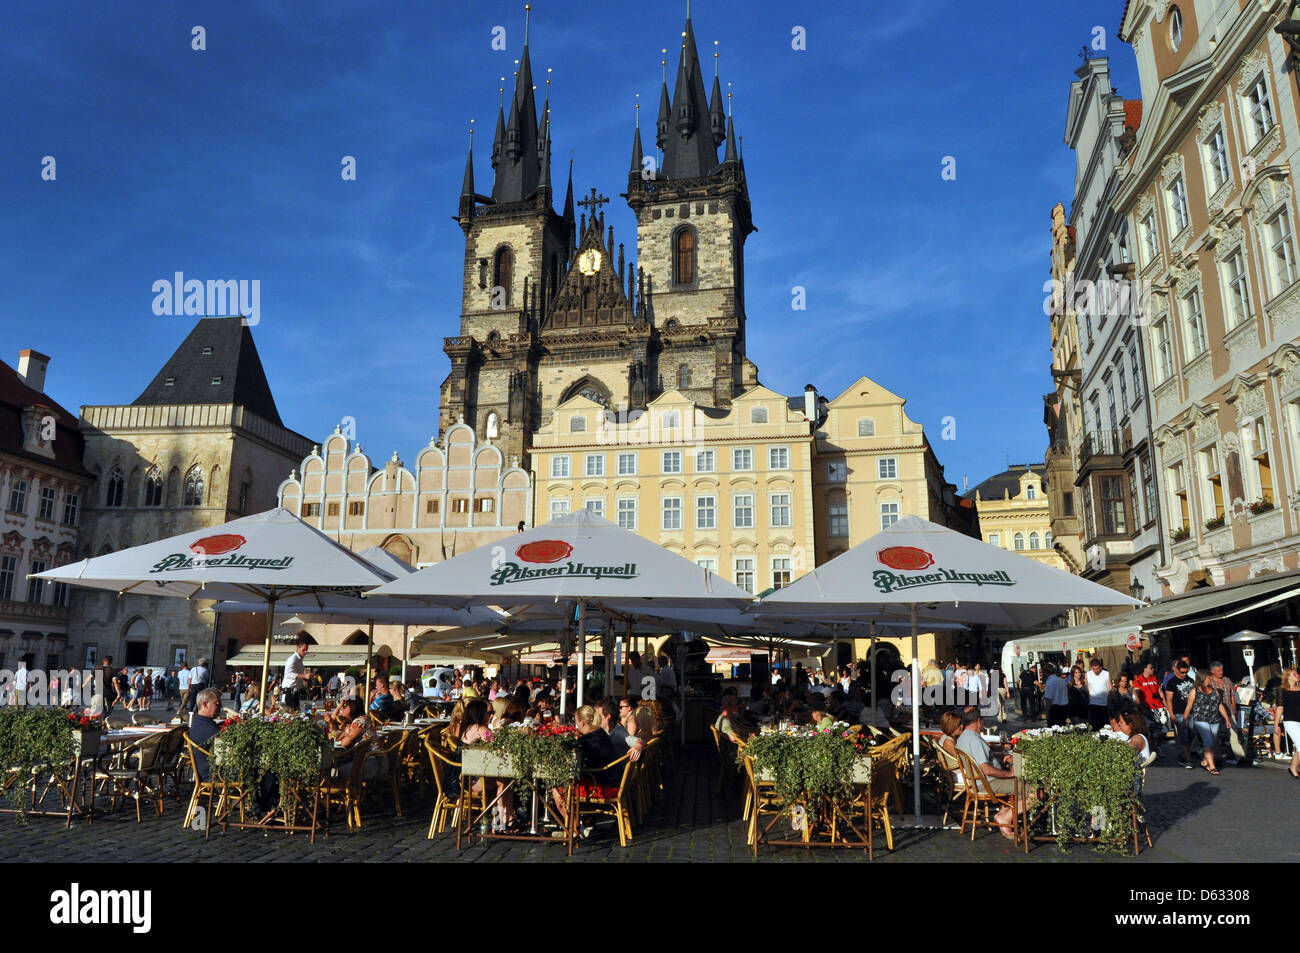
1209 196
1114 466
43 488
1014 513
457 497
552 305
202 445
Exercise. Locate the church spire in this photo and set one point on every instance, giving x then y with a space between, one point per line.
467 185
665 110
717 117
519 171
637 151
690 150
498 143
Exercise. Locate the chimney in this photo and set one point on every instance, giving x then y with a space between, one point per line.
31 368
810 403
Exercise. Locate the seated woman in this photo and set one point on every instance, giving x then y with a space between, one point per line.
950 723
1128 721
354 732
595 751
475 729
251 701
399 707
818 716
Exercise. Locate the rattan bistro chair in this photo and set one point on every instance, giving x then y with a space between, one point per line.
979 793
216 786
610 800
952 785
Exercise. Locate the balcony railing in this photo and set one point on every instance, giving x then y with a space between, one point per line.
1099 443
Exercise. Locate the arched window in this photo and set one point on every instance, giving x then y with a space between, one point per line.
1033 540
683 377
153 487
1047 541
503 269
1031 492
1020 541
114 488
193 487
684 257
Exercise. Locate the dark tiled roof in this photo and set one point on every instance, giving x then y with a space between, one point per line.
220 349
1007 480
14 397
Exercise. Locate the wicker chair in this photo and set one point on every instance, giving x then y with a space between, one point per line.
611 801
346 787
895 751
445 768
952 784
130 776
761 800
979 793
216 786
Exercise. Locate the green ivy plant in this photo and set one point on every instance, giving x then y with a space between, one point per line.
30 739
543 755
808 767
289 748
1082 772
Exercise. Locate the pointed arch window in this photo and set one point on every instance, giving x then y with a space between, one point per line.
153 487
684 257
115 488
193 487
503 268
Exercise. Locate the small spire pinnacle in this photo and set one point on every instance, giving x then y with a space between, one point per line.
501 94
527 11
663 66
728 100
715 59
638 110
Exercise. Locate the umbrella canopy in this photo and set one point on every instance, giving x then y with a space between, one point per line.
930 573
251 557
948 576
264 558
576 557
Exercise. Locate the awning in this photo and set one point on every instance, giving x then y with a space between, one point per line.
330 656
1190 608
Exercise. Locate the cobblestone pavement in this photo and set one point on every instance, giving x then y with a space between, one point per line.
1244 814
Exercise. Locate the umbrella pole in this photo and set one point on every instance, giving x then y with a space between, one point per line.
582 649
871 669
266 651
916 723
406 649
370 647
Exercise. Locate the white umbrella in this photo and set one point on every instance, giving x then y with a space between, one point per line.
576 559
928 573
263 558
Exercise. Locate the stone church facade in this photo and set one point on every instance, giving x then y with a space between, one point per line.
554 307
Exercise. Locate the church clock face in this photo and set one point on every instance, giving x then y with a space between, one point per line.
589 262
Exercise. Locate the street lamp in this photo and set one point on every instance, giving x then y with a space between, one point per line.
1136 590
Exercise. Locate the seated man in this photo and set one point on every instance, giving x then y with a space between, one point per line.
204 727
381 701
1000 778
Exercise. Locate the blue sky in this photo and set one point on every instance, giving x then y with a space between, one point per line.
226 164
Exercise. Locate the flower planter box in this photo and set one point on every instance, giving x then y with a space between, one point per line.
861 772
85 744
484 763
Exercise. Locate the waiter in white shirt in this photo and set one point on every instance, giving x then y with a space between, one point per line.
295 674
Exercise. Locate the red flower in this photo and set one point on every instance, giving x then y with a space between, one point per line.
544 551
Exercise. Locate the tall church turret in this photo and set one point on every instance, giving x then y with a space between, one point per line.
693 218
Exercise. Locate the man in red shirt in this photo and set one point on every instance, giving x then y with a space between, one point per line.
1148 687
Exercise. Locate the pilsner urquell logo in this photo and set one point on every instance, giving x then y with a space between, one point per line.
915 559
213 552
552 551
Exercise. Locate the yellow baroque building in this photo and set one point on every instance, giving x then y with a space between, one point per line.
1015 513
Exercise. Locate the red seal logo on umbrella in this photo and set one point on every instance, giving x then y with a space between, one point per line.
1134 642
217 545
905 557
544 551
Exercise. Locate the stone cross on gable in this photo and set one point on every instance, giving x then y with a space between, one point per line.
593 202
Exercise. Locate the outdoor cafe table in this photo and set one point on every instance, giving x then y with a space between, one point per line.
834 825
489 766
